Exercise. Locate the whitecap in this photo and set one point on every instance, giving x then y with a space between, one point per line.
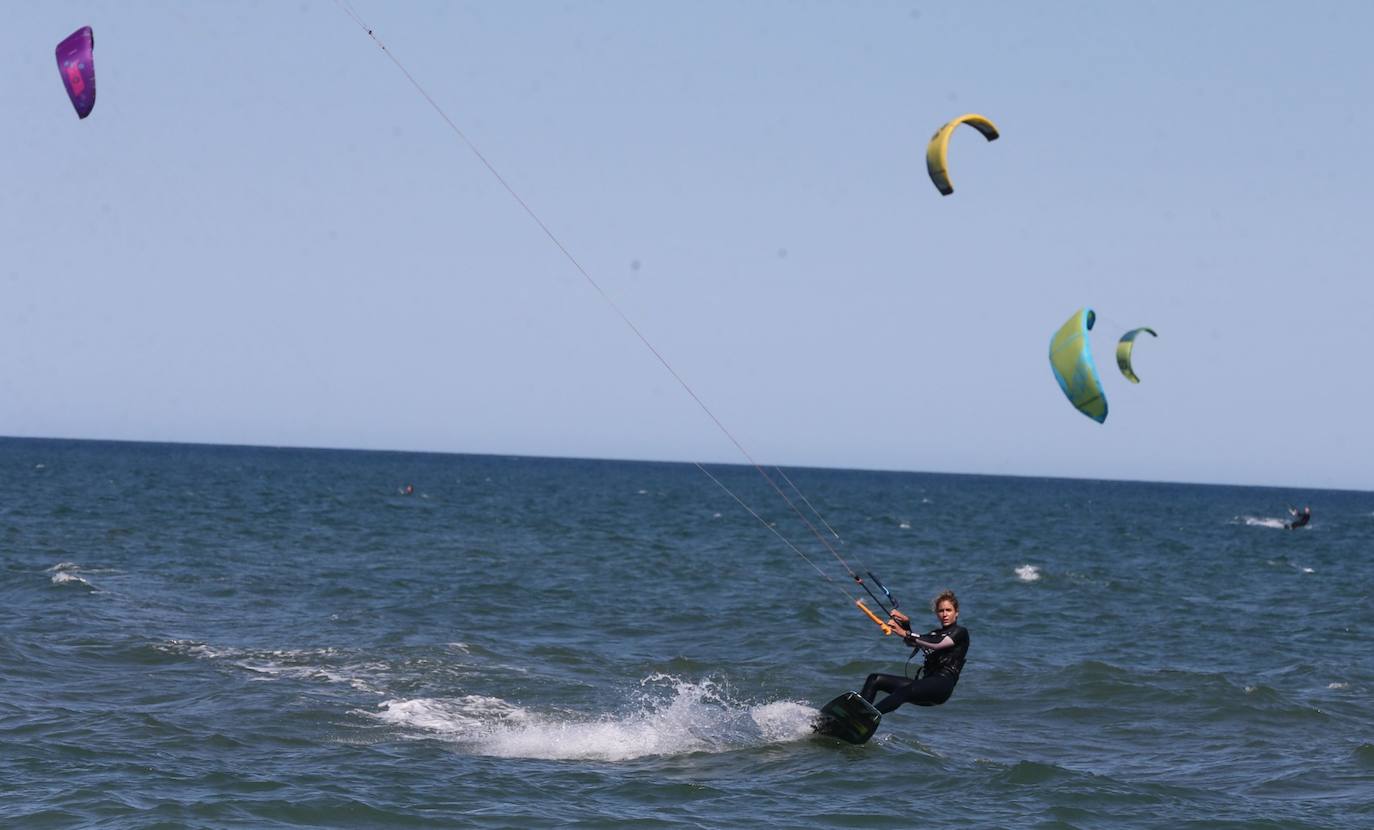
65 573
1028 573
295 664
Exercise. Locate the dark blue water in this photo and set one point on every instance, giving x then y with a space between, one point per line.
236 637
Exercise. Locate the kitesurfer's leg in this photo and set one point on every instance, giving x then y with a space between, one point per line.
925 691
881 683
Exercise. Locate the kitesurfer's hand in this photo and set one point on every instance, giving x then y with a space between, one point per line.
900 620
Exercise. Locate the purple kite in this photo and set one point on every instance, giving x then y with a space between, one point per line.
75 62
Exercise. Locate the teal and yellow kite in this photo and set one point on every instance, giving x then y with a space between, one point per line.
1071 358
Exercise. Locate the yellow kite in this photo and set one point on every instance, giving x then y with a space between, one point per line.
937 152
1124 347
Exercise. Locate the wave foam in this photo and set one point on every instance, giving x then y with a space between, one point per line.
1028 573
1263 521
63 578
693 717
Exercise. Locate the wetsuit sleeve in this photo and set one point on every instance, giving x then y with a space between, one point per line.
920 641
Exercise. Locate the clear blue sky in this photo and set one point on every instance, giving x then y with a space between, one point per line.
264 235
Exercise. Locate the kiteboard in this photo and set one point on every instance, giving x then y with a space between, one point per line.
848 717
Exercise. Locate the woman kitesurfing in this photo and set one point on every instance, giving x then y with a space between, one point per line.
854 716
945 649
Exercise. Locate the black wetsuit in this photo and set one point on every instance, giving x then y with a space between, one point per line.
935 682
1300 519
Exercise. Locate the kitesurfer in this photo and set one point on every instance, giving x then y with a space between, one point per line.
1299 518
945 649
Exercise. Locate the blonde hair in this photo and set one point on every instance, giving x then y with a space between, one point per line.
946 594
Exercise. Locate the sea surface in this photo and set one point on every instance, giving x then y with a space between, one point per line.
214 637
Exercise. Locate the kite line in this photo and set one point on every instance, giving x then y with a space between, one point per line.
586 275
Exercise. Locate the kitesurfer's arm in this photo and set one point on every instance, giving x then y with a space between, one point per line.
929 645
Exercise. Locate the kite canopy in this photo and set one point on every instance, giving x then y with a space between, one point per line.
75 62
1071 358
1124 347
937 151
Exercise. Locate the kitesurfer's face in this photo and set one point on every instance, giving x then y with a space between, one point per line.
946 613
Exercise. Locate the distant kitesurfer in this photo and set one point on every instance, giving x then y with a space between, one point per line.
1300 518
409 490
945 649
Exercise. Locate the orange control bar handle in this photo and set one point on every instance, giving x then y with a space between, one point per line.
887 629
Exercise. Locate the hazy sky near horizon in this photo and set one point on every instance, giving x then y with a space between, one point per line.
264 235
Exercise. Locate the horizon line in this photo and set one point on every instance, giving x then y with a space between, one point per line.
684 462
